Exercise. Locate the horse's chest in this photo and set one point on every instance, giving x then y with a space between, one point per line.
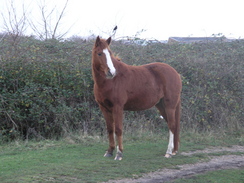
104 96
100 94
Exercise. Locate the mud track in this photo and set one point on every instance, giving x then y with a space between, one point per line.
188 170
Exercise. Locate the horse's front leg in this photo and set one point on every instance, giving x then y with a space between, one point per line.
118 120
110 129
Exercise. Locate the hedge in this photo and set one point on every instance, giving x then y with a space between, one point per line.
46 87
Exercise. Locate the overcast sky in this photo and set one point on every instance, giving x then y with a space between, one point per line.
159 19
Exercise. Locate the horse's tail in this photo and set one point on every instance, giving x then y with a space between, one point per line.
177 126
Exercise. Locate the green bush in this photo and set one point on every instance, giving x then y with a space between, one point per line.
46 87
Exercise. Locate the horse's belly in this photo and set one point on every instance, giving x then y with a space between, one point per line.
140 104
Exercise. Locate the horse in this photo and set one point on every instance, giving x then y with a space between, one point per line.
119 87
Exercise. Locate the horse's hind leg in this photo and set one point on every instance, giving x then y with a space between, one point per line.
168 116
171 124
172 116
177 128
160 106
173 120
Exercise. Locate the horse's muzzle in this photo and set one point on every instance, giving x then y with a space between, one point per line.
110 75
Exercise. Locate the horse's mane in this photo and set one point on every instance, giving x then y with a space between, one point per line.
117 57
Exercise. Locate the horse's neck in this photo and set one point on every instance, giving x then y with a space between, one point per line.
98 76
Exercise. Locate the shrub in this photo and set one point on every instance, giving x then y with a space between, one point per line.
46 86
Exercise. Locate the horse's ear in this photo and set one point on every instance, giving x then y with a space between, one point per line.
97 43
108 40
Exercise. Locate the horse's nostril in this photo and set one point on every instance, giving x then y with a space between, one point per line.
109 74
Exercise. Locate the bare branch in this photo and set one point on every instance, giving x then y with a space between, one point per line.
45 22
13 23
14 124
44 27
60 17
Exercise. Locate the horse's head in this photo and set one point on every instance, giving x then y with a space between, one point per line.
102 57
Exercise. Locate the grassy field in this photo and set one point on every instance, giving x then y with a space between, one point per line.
80 159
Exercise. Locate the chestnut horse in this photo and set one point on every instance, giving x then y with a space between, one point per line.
118 87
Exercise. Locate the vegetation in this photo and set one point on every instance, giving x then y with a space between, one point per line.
46 94
46 87
79 158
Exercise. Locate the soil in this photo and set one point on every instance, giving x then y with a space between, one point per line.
188 170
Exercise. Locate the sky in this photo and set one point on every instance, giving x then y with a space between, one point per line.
154 19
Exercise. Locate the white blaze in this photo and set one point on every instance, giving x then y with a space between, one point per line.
109 62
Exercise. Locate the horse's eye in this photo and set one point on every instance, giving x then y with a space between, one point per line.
100 54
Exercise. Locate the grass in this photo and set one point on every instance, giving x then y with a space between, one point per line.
68 160
219 176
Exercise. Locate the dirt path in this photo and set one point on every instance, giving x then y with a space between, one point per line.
188 170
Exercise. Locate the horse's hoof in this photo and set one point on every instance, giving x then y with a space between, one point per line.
174 153
167 156
108 154
118 156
